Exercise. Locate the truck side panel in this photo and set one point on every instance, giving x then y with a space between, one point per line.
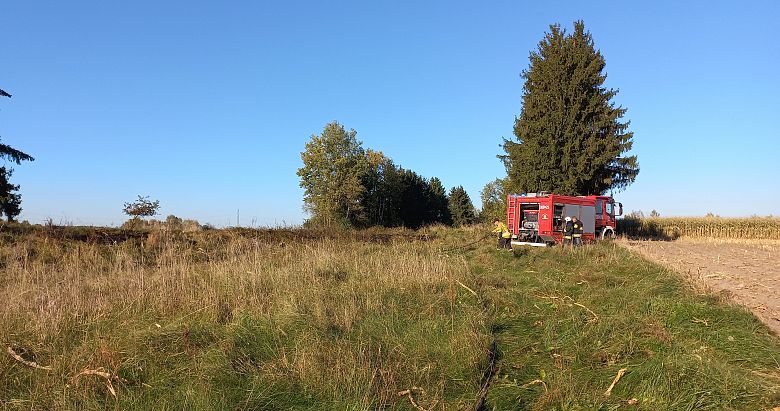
584 213
588 217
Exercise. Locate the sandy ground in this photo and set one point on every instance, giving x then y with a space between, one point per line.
748 269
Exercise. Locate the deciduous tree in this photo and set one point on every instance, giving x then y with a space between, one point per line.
334 165
493 198
142 207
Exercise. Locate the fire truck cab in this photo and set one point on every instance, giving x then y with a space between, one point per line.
537 219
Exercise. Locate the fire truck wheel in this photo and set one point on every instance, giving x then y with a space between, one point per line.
608 234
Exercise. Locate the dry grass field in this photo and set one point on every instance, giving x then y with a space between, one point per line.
221 319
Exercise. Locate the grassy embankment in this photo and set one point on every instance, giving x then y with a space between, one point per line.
261 320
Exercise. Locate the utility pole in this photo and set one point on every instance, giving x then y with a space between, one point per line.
238 218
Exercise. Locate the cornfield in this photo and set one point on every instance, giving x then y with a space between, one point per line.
711 227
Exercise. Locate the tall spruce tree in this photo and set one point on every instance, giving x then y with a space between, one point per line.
569 136
414 199
9 153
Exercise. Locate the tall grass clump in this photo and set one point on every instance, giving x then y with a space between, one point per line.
226 320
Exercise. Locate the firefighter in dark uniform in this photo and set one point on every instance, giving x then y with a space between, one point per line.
568 230
576 231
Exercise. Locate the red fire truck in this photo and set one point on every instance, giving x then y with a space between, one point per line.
537 219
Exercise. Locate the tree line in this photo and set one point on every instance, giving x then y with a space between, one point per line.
568 139
346 185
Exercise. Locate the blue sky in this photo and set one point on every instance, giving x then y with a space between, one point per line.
207 105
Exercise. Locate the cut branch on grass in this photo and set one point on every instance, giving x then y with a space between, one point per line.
534 382
619 375
565 298
31 364
595 317
100 372
467 288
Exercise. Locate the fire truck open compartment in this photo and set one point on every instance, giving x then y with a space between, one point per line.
529 216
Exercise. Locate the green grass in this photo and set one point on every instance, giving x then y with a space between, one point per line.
682 351
244 320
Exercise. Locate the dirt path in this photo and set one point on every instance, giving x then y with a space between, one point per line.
748 269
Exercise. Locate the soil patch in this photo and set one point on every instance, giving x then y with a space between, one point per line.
746 269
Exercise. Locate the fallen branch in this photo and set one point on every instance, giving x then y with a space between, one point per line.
408 393
566 297
31 364
595 317
700 321
619 375
97 372
108 376
469 289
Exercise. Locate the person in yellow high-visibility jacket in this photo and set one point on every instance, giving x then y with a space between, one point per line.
504 235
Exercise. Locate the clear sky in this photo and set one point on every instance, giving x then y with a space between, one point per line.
207 105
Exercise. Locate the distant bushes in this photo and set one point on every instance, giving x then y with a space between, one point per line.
171 223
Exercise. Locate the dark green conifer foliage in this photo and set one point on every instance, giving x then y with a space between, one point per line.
569 136
379 196
10 200
461 207
438 203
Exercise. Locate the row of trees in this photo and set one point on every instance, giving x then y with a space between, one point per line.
569 139
10 199
348 186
